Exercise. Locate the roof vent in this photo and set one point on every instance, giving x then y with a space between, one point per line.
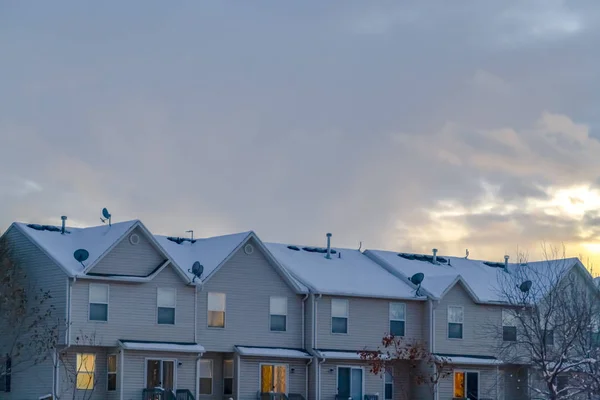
423 257
328 255
494 264
49 228
434 256
64 220
467 254
180 240
506 257
320 250
295 248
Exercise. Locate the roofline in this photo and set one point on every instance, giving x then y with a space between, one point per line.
286 275
365 296
41 248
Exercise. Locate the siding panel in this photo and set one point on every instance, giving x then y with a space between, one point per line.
249 281
128 259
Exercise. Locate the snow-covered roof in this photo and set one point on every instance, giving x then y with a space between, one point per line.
60 247
480 278
338 354
468 360
162 346
210 252
271 352
347 273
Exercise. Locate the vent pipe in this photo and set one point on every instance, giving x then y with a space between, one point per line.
64 219
506 262
328 255
434 255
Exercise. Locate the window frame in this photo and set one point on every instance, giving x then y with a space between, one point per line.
77 371
509 315
107 304
279 315
351 367
212 377
347 317
448 322
465 371
389 370
549 333
162 361
208 310
275 364
228 377
397 320
158 306
115 373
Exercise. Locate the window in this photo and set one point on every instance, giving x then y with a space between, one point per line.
549 337
166 300
5 380
278 313
339 316
455 322
216 310
466 385
561 382
86 369
397 318
98 302
389 384
112 372
206 377
595 331
509 326
160 373
350 382
273 378
228 377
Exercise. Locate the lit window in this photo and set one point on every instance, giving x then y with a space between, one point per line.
389 385
216 310
397 318
86 368
273 378
278 313
509 326
112 372
466 385
228 377
206 377
166 300
98 298
455 322
339 316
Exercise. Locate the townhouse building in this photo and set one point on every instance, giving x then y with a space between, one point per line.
142 319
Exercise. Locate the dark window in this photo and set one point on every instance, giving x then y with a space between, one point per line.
549 337
166 315
397 328
5 380
112 372
278 323
509 333
455 331
339 325
98 312
561 382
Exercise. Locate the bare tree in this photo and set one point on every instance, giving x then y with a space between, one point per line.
27 328
549 324
79 369
422 367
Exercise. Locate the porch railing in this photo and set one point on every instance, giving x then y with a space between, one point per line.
271 396
161 394
183 394
365 397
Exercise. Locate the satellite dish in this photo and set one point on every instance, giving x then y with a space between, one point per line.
525 286
197 270
106 216
417 278
81 255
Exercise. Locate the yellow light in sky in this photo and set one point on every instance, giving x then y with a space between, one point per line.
573 201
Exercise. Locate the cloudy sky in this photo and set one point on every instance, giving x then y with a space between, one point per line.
404 125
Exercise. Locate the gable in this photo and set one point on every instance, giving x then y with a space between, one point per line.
458 294
249 271
134 255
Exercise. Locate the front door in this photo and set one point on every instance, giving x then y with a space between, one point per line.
160 373
350 382
273 378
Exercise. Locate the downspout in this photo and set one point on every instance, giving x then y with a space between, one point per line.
196 314
306 379
237 376
70 311
315 325
497 382
303 322
122 370
319 378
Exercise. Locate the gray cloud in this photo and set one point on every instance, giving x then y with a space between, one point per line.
402 125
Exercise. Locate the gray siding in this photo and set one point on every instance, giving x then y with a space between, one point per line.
132 311
248 281
488 384
250 376
135 367
128 259
513 384
479 321
68 375
368 322
30 384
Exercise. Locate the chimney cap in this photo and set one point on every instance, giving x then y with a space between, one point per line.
329 235
506 257
64 217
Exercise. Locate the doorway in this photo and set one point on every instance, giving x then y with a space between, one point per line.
273 378
350 382
160 373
